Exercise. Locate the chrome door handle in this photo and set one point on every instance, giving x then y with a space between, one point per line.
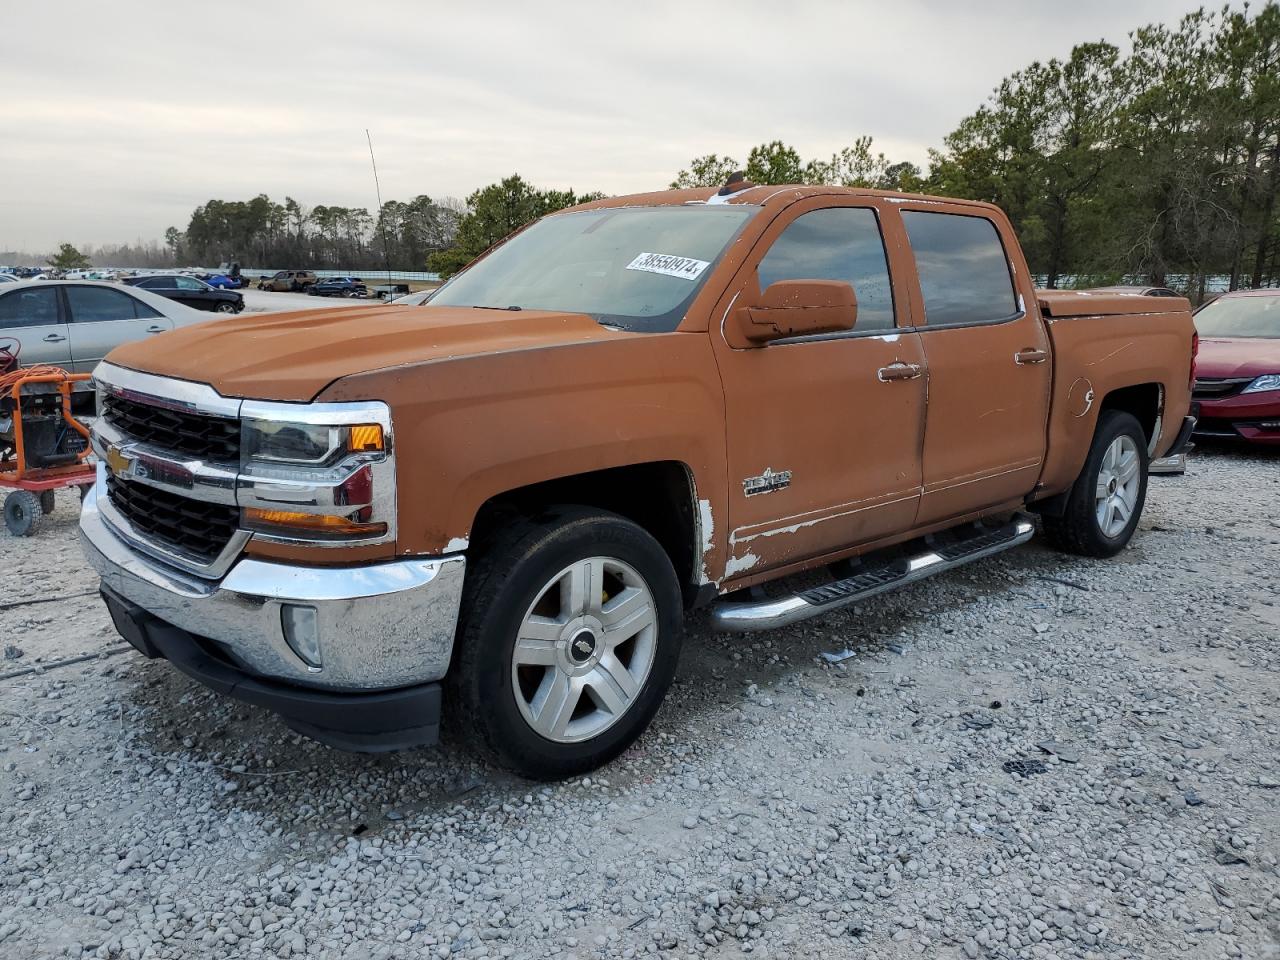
155 329
1031 355
898 371
54 338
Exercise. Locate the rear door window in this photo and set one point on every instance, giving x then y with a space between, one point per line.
839 243
964 273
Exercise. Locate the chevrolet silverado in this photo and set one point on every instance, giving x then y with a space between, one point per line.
497 508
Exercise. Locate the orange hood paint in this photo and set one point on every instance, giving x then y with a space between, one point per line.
294 356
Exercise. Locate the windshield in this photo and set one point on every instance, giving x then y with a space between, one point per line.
1240 317
631 267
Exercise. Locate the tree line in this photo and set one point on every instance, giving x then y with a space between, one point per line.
1162 161
262 232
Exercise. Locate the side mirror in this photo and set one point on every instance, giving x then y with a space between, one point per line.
795 308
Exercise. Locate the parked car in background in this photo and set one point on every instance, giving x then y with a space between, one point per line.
189 291
74 324
1137 291
414 299
1238 369
389 291
339 287
8 278
286 280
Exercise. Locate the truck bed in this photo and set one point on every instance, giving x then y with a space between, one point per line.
1101 343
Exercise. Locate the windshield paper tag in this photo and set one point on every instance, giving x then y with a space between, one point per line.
686 268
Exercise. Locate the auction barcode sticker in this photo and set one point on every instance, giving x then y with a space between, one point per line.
684 267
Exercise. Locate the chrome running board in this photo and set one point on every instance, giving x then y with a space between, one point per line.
731 617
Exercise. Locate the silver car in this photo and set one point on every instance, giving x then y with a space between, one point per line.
73 324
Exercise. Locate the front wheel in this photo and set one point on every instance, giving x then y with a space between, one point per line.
225 307
1106 501
569 638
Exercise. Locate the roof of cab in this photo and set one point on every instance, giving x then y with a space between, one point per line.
762 196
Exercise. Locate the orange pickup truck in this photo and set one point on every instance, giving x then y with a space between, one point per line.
497 507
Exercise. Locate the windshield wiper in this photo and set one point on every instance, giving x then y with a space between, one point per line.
481 306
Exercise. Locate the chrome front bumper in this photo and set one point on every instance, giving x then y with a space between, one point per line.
381 626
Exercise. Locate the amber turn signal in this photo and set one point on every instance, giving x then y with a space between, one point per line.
365 437
322 523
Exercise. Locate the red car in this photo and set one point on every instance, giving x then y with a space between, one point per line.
1238 368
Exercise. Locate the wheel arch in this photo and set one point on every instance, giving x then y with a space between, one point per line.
1143 400
659 496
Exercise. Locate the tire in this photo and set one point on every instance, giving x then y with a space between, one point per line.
225 306
1105 489
47 502
21 512
535 580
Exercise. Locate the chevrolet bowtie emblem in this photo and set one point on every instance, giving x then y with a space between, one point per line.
118 462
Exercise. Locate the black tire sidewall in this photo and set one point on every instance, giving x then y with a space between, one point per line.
490 633
21 513
1113 424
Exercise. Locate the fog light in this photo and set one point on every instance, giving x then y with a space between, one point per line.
302 632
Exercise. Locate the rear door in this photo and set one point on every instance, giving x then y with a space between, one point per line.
988 360
33 317
102 318
823 446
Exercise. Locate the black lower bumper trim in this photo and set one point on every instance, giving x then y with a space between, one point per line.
360 722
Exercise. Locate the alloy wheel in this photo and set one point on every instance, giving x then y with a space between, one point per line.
584 650
1116 493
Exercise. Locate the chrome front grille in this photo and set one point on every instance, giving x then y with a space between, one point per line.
203 436
193 528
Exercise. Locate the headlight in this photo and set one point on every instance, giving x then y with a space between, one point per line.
322 474
307 443
1268 381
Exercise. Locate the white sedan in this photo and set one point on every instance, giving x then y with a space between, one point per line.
73 324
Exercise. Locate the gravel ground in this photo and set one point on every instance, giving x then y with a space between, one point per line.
1037 756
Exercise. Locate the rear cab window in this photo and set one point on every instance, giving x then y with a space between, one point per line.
963 269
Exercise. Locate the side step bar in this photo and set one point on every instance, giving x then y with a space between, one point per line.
731 617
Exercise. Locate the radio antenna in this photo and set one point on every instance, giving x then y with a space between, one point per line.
382 225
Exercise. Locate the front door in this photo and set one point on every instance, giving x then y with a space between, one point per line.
32 317
989 364
823 432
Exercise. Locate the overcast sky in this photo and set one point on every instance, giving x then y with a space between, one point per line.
117 118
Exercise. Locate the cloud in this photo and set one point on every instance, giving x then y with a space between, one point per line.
120 118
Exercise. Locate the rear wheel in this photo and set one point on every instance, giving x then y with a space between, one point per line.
568 641
1105 504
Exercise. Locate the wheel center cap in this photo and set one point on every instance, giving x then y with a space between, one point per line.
582 647
1111 487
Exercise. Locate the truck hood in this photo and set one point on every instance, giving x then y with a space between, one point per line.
1237 357
294 356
